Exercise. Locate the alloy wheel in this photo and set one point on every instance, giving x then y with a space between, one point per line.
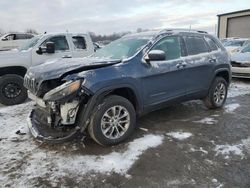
115 122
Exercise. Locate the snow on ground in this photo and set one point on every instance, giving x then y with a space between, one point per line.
179 135
207 120
22 160
14 118
199 150
44 164
235 149
231 107
238 88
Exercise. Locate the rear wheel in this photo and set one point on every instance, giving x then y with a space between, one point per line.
217 94
12 90
113 121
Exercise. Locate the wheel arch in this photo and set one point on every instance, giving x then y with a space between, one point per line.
224 73
99 95
18 70
125 91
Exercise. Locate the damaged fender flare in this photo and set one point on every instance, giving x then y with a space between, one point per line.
83 120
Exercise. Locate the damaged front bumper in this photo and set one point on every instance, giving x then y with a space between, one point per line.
41 134
54 121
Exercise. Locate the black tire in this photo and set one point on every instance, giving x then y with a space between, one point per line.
94 127
8 82
210 99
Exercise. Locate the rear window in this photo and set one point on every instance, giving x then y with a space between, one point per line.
212 45
195 45
23 36
79 42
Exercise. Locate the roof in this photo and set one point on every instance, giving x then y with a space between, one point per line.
236 12
163 31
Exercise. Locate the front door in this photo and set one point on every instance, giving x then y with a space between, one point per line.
165 80
62 50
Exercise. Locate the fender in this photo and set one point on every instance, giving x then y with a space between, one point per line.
100 94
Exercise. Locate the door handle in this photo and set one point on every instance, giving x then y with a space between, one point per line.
67 56
212 60
181 65
184 64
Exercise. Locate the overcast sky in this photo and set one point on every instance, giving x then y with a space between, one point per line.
108 16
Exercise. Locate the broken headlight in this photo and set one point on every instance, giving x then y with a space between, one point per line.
62 91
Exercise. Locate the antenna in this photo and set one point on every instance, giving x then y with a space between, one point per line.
190 28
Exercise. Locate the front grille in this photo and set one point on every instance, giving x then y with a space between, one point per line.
30 84
237 64
241 75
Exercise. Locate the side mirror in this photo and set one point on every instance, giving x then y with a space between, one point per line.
39 51
50 47
156 55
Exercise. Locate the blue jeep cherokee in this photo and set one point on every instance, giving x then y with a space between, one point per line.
132 76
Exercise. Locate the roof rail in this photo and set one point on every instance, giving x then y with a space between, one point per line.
182 30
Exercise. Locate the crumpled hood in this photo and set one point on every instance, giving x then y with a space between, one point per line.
241 57
61 67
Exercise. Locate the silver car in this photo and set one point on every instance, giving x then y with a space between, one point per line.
240 62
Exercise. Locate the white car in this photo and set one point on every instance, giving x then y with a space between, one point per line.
38 50
13 40
240 62
233 45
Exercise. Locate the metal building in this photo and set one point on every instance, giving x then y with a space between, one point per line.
234 24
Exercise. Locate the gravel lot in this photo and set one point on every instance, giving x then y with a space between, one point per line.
184 145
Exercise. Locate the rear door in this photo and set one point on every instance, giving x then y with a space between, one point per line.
80 46
199 64
20 39
164 80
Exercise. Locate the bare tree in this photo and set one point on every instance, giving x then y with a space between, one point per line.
106 38
1 32
31 31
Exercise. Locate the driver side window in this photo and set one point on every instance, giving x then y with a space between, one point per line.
10 37
171 46
60 42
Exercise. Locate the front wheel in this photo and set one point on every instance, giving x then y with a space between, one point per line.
217 94
113 120
12 90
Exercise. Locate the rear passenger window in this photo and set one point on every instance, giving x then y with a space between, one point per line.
196 45
79 42
211 44
171 46
20 36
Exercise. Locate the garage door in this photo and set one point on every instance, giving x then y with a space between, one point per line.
239 27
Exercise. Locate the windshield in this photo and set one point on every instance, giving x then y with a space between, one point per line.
235 43
30 43
122 48
246 49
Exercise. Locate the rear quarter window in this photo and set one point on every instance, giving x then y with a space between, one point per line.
195 45
212 45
